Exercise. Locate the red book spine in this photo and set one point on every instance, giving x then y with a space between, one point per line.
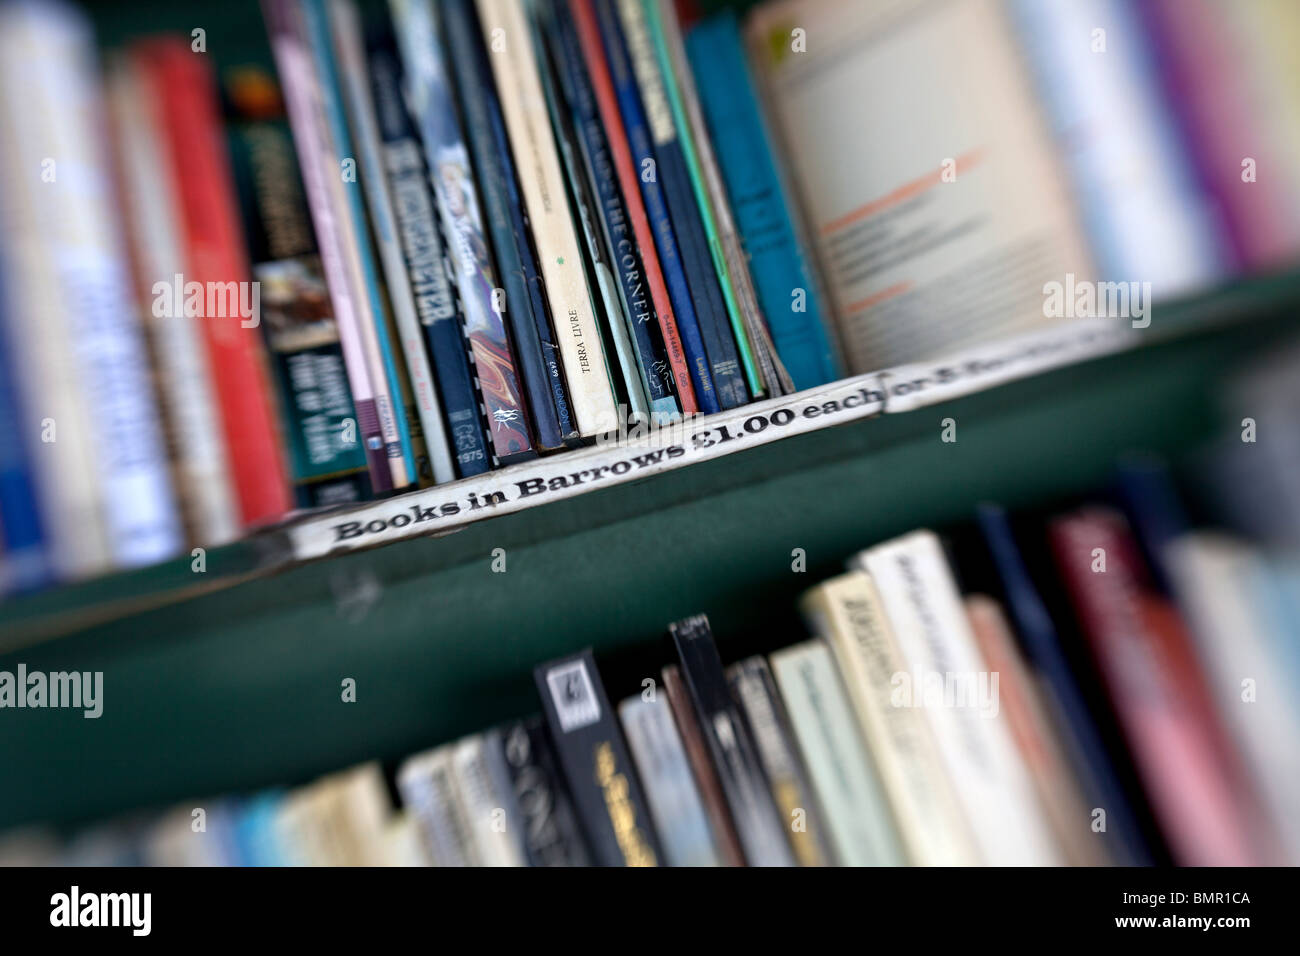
593 52
215 254
1127 625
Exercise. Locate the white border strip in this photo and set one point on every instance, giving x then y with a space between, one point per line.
903 388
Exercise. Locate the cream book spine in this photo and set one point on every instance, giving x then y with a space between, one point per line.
948 681
846 612
541 180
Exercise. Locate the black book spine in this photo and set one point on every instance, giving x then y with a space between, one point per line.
599 772
551 835
731 744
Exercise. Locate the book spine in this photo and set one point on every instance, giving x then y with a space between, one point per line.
675 803
429 92
1041 644
858 816
188 404
1175 757
58 432
921 601
725 837
1057 787
753 688
539 358
302 102
215 254
777 262
328 463
485 812
641 145
636 291
424 410
427 783
728 262
551 833
596 764
22 538
75 228
587 30
542 184
624 373
731 744
847 614
416 224
357 250
672 174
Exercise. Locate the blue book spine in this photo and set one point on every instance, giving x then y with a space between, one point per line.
651 356
489 148
426 264
1040 643
21 537
670 261
778 264
318 34
679 193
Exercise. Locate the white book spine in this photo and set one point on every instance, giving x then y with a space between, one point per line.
190 409
484 808
947 679
427 783
68 225
515 68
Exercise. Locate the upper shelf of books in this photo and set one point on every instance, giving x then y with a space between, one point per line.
332 275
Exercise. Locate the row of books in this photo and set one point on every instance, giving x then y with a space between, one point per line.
436 238
1100 683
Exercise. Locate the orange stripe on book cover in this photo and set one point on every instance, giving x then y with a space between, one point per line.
185 92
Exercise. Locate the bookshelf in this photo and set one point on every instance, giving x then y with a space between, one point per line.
233 682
